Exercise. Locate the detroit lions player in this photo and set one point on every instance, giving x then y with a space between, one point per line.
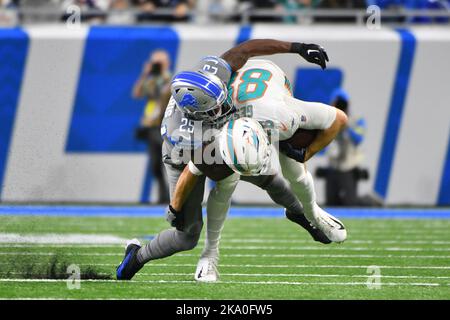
261 87
188 220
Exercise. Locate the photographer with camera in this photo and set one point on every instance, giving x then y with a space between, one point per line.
345 160
154 85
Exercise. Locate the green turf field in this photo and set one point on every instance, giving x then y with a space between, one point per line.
266 258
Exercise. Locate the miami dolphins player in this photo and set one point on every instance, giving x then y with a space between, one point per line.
260 86
187 219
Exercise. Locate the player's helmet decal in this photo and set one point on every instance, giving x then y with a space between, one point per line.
188 100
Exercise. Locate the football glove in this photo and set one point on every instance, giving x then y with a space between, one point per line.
291 152
312 53
175 218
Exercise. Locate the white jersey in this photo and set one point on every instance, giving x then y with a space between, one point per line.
264 88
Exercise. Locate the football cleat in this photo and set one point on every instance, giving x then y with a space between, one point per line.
331 226
301 220
207 270
129 265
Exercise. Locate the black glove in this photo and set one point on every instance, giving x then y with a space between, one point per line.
311 52
175 218
291 152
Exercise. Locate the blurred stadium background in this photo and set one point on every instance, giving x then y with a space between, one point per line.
68 119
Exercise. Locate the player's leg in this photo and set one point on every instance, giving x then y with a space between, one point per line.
302 185
280 192
218 204
170 241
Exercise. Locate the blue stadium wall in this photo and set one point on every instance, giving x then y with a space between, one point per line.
67 118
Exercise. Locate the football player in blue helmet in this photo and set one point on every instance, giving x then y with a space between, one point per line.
204 94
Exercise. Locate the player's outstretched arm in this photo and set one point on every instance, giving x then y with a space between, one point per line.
327 135
185 184
238 56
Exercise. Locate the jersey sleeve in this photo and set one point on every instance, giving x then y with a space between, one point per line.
194 170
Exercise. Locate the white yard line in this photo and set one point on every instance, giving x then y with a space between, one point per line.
299 275
374 237
362 256
236 282
252 266
289 275
263 240
278 248
229 241
60 238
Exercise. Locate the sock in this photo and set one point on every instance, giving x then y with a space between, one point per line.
218 204
167 243
304 189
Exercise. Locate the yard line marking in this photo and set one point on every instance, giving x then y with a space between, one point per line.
237 282
157 265
340 248
279 248
295 266
232 274
250 255
298 275
52 238
250 240
376 236
130 298
272 275
262 240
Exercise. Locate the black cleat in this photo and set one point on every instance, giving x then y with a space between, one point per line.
301 220
129 265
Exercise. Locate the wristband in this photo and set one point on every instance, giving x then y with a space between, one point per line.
296 47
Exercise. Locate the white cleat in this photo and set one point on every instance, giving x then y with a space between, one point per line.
331 226
207 270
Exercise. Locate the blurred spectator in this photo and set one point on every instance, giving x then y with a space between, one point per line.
8 13
153 84
120 14
340 5
179 10
427 5
249 5
345 158
295 5
218 9
343 4
413 5
95 11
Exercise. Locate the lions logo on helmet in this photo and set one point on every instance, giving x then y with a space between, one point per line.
188 100
201 96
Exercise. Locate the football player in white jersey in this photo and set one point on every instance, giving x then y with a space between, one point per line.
260 86
188 219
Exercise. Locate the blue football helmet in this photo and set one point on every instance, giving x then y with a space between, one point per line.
200 96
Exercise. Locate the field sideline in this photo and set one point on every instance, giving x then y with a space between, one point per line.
261 257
